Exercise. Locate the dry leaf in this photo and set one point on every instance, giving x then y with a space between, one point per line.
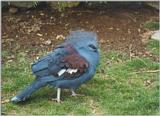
39 34
5 101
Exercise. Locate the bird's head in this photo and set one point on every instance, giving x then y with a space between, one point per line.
86 44
83 39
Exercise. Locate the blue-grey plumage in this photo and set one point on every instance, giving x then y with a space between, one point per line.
70 65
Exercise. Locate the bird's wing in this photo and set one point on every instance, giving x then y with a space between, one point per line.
63 61
70 64
40 66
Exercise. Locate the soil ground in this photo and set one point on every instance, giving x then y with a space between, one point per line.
37 30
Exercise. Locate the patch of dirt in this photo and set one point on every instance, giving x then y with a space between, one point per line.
36 30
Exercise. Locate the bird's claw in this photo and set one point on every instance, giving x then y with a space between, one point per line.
57 100
75 95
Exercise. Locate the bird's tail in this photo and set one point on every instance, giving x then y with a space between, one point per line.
35 85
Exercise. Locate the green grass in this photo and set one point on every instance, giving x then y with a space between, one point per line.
152 25
153 46
117 88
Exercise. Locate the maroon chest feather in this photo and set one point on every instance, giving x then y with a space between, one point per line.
74 60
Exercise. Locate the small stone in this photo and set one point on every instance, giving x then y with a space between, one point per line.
156 35
147 82
102 41
117 29
11 57
13 10
66 24
9 60
86 22
51 18
41 39
110 28
62 15
42 14
60 37
29 30
129 31
48 42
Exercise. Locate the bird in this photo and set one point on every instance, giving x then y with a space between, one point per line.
68 66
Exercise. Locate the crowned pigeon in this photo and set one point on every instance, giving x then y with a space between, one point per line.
68 66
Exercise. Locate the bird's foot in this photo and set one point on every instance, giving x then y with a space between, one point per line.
57 100
75 95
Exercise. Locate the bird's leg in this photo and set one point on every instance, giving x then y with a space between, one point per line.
58 95
74 94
